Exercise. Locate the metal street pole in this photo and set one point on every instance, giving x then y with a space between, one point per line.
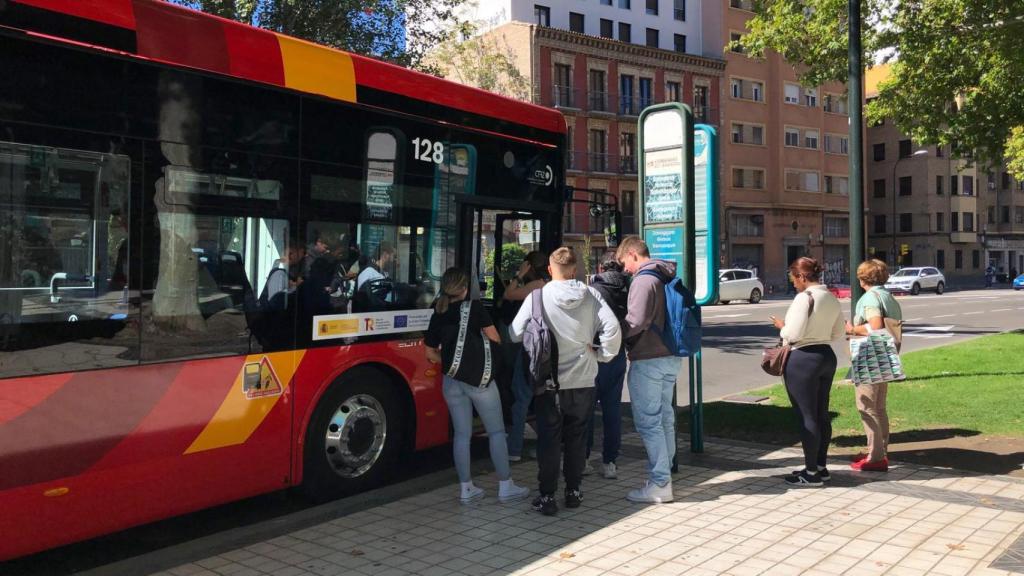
856 96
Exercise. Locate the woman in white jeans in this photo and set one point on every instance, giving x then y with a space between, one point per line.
468 382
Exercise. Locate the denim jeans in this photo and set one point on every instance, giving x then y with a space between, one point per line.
522 392
651 384
461 399
609 393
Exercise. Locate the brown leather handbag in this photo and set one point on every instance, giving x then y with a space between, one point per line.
773 358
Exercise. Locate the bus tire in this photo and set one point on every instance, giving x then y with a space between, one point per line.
355 437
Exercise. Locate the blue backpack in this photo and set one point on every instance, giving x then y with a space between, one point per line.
682 331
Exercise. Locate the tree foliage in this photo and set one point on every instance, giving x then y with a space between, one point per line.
399 31
967 52
485 61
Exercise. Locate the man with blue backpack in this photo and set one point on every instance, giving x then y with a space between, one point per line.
663 324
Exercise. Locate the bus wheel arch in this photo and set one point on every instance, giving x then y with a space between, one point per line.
359 429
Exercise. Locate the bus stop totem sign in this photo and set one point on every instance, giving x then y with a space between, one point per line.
705 223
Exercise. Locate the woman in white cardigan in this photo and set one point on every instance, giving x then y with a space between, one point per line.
813 321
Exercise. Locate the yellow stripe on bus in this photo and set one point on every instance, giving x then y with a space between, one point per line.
245 407
317 70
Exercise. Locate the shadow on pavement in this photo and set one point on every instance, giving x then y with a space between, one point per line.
906 436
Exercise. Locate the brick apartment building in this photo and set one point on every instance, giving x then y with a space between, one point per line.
785 171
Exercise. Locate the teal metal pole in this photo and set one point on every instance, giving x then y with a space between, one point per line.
856 107
697 408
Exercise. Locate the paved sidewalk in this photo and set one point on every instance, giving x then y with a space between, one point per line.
732 515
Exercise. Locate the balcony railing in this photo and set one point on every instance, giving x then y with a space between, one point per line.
598 162
562 97
601 162
627 164
597 101
604 102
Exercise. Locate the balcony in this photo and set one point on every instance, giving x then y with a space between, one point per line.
705 115
597 101
598 162
963 237
627 165
562 97
601 162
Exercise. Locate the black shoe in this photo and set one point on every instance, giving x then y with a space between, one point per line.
822 473
573 498
545 504
804 480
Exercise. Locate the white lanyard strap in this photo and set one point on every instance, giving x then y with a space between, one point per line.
460 346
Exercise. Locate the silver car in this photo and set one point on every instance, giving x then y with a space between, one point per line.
913 280
739 284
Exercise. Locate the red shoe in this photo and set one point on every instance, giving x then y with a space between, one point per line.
865 466
860 456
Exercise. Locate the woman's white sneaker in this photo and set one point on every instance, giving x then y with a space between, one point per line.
469 493
609 471
509 492
651 493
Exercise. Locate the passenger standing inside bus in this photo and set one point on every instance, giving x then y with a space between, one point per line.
467 381
378 269
533 274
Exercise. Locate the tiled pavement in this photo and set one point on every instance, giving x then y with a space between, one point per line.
732 515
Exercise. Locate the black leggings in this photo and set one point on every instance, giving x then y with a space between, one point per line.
808 378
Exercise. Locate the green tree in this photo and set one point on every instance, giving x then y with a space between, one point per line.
400 31
484 61
956 65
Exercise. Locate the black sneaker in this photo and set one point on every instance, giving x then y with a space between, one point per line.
545 504
822 473
804 480
573 498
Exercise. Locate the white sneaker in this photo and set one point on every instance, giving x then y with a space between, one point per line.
609 471
588 468
470 493
514 458
651 493
509 492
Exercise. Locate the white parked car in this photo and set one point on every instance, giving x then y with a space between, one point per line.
739 284
914 280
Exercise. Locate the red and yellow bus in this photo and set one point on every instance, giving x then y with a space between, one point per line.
218 248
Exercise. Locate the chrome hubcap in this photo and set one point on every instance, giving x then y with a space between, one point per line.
355 436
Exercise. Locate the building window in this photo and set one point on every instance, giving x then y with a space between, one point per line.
1006 181
576 22
646 87
674 93
792 93
628 212
968 221
837 144
837 227
542 15
837 185
747 89
939 152
652 37
991 181
835 104
802 181
792 137
958 257
626 94
701 111
652 8
991 214
733 38
905 146
940 222
625 32
879 223
938 185
879 188
598 96
742 4
953 181
751 225
570 145
906 222
679 42
976 259
606 2
1018 215
679 10
625 5
747 134
954 221
906 186
627 153
878 152
811 97
751 178
607 27
811 139
1005 213
563 85
598 150
940 258
968 185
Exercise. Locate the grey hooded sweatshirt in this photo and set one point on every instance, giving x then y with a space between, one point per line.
574 313
645 306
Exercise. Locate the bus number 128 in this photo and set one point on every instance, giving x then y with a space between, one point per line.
423 147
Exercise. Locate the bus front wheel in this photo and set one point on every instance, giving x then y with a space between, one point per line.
355 437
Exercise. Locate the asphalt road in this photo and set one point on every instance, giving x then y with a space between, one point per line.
735 334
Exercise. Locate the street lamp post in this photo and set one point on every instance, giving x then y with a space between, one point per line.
916 154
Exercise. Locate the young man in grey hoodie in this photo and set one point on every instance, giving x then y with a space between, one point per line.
653 369
574 314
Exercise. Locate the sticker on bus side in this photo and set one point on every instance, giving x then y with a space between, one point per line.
260 380
331 326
